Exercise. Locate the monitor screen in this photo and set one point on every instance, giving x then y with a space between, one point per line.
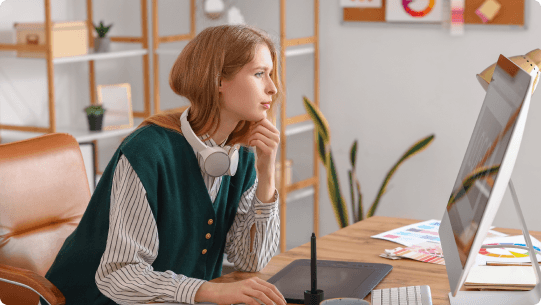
485 152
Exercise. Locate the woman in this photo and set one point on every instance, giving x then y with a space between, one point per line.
160 220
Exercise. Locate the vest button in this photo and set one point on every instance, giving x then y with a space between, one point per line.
204 251
207 236
258 212
210 221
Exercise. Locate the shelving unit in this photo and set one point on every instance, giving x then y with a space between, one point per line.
308 186
80 134
288 126
157 40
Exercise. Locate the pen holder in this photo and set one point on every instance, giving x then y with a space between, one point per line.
313 298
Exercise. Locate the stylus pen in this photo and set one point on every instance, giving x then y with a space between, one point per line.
313 263
509 263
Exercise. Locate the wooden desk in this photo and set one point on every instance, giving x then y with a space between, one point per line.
354 244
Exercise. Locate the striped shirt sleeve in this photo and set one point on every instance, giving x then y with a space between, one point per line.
125 274
251 211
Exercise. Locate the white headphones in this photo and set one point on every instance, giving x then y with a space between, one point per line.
217 161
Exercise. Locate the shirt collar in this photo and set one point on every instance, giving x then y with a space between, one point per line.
210 142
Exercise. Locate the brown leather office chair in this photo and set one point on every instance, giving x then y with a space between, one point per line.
44 192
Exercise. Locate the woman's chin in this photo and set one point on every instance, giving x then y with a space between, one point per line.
257 117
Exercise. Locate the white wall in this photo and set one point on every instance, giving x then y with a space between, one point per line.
389 85
386 85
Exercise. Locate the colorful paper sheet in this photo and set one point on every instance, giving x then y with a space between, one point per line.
413 234
428 252
419 233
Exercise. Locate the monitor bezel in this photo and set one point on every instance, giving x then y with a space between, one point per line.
456 272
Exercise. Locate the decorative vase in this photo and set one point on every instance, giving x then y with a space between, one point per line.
102 44
95 122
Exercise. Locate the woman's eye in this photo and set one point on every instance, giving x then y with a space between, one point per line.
259 73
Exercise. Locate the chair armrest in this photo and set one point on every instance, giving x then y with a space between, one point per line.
32 281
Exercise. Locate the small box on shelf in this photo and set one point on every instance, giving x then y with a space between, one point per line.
68 38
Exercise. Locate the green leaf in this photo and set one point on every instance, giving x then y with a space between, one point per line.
94 110
351 190
321 148
353 154
319 120
101 29
417 147
337 200
360 199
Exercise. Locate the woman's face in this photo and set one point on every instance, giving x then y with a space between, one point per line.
248 95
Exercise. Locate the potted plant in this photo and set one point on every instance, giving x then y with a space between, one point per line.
102 43
326 157
94 114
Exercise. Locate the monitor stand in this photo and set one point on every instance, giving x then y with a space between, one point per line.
506 297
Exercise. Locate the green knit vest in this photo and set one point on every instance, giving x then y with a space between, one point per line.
168 169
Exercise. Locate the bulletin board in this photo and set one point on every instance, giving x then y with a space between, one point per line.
511 13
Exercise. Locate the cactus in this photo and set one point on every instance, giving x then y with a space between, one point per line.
325 155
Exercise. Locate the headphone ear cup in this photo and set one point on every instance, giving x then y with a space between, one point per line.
216 161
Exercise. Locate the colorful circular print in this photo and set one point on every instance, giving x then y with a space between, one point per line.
419 14
506 253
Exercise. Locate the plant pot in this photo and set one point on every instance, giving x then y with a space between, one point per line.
102 44
95 122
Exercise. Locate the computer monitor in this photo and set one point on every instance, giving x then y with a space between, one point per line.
484 175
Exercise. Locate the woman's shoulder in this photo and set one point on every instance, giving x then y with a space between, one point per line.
150 137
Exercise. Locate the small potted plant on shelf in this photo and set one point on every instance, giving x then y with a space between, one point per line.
94 114
102 43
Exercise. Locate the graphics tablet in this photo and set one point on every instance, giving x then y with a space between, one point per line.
337 279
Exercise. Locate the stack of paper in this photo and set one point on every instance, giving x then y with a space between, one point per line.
501 277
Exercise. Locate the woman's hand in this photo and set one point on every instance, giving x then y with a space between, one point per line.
265 137
240 292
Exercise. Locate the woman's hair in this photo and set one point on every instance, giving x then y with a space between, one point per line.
215 53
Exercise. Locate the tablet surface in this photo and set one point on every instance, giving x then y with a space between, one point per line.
337 279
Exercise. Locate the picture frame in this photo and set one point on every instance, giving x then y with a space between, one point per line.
117 102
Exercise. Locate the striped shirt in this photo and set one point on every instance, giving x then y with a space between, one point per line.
125 274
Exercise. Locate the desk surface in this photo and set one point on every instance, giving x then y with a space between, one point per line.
356 245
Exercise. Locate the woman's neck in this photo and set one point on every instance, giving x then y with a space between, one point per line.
224 130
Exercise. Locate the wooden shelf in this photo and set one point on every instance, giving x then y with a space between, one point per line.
84 135
300 51
300 128
99 56
87 57
81 134
289 53
300 194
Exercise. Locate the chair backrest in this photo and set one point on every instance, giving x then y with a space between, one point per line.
44 192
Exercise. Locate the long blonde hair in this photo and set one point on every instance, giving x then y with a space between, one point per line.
215 53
